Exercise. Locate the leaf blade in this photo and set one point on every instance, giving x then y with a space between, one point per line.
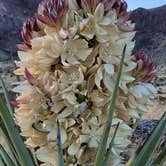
110 146
5 135
161 157
23 153
150 145
2 162
7 95
102 146
6 157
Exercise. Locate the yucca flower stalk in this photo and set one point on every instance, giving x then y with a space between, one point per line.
70 60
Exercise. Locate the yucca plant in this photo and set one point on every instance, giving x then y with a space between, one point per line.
80 92
10 156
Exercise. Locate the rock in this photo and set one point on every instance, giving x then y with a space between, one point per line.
151 32
12 16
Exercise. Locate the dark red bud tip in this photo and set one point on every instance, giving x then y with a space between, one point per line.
51 11
14 103
116 68
30 27
29 77
146 65
23 47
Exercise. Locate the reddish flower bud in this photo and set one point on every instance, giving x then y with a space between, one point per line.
126 28
21 100
146 69
29 77
119 5
14 103
51 11
89 5
30 30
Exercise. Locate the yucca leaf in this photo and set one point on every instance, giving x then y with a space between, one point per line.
108 153
5 135
2 163
23 153
59 146
161 158
6 157
103 142
7 96
150 145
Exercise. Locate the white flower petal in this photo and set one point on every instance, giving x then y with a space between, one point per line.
73 149
99 12
99 77
48 155
109 68
22 89
65 113
150 87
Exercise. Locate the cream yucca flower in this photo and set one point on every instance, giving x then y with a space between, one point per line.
69 60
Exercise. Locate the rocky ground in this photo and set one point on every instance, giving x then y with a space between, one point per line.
151 32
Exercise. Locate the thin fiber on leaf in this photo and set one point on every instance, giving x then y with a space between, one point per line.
7 96
150 145
103 142
6 157
59 146
22 151
108 153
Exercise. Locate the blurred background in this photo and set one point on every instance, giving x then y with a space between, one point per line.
12 16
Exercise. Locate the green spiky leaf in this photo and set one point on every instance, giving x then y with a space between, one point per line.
100 157
6 157
108 153
23 154
13 153
161 158
2 163
7 96
145 154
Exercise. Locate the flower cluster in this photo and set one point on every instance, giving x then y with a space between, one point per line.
69 60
